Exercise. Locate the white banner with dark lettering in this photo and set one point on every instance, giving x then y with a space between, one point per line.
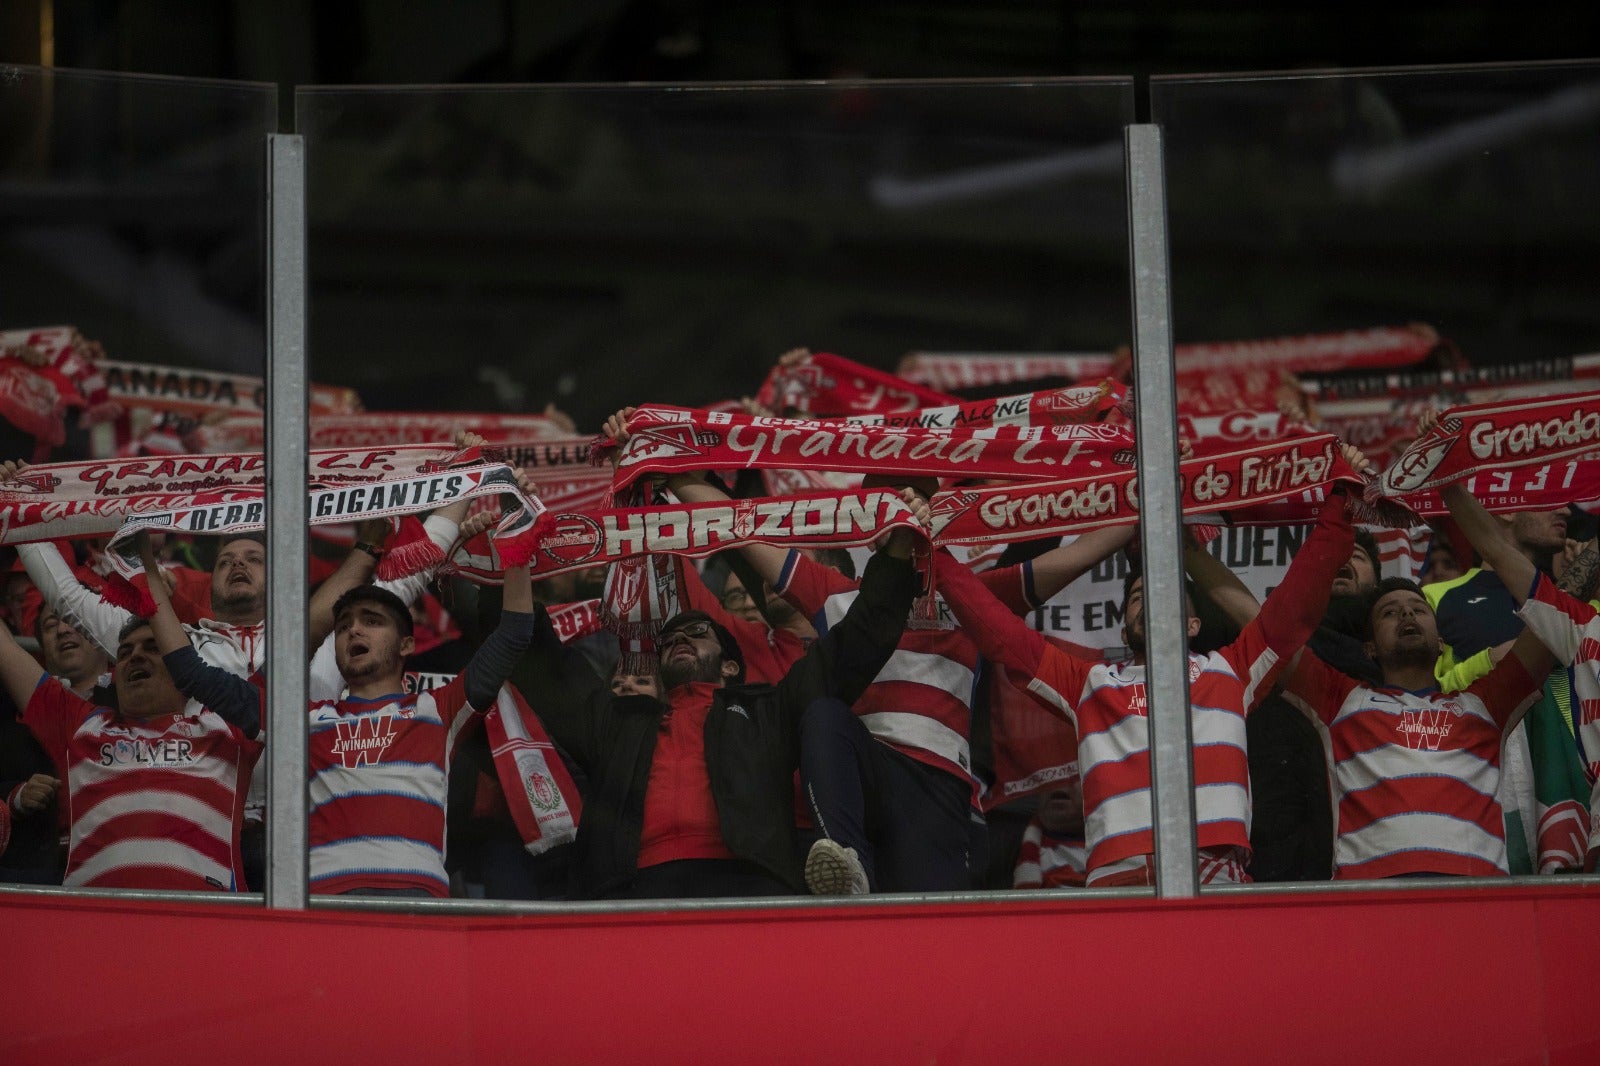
347 503
53 500
202 392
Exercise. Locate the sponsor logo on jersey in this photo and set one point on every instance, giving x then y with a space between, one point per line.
362 741
147 753
1425 728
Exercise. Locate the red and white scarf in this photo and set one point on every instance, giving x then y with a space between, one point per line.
543 800
372 429
572 541
93 498
827 384
1299 471
574 621
955 371
1381 346
1496 437
204 392
60 374
1570 371
1051 407
513 541
665 440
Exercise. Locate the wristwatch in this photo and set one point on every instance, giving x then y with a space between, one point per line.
371 549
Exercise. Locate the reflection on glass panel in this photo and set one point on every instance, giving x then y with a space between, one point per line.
131 242
1347 252
525 263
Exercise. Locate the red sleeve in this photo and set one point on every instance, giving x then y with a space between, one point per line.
450 699
1506 689
53 714
1318 687
1010 586
191 600
999 634
807 584
753 637
1291 613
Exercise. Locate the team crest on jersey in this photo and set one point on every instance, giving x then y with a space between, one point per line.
542 792
362 741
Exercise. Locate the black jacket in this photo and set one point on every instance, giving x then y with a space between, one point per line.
752 738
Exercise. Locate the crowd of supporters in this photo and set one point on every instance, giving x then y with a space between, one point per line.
752 649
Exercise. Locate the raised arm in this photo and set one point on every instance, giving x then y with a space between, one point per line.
19 670
1000 636
1061 566
1489 539
844 660
1291 613
236 699
1536 658
1212 577
768 560
61 589
491 665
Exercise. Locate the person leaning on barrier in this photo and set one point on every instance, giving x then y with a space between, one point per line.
691 794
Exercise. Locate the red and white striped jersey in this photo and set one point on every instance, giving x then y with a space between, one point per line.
379 777
1414 774
921 701
153 804
1106 704
1570 628
1049 861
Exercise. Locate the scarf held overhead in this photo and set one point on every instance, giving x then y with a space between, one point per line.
391 497
93 498
1496 437
1051 407
672 440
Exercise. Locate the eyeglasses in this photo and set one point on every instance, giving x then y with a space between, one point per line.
687 631
735 598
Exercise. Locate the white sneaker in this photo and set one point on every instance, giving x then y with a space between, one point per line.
832 870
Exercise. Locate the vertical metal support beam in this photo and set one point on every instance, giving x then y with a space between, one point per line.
287 654
1161 544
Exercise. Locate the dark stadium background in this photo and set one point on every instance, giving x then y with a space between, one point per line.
445 273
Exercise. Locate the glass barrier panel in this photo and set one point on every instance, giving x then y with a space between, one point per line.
1348 250
481 256
132 246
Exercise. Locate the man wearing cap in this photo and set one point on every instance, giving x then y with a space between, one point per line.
691 793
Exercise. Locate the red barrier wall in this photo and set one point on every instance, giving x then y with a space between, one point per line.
1442 976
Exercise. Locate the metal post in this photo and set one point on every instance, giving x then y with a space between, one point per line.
1166 631
286 522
